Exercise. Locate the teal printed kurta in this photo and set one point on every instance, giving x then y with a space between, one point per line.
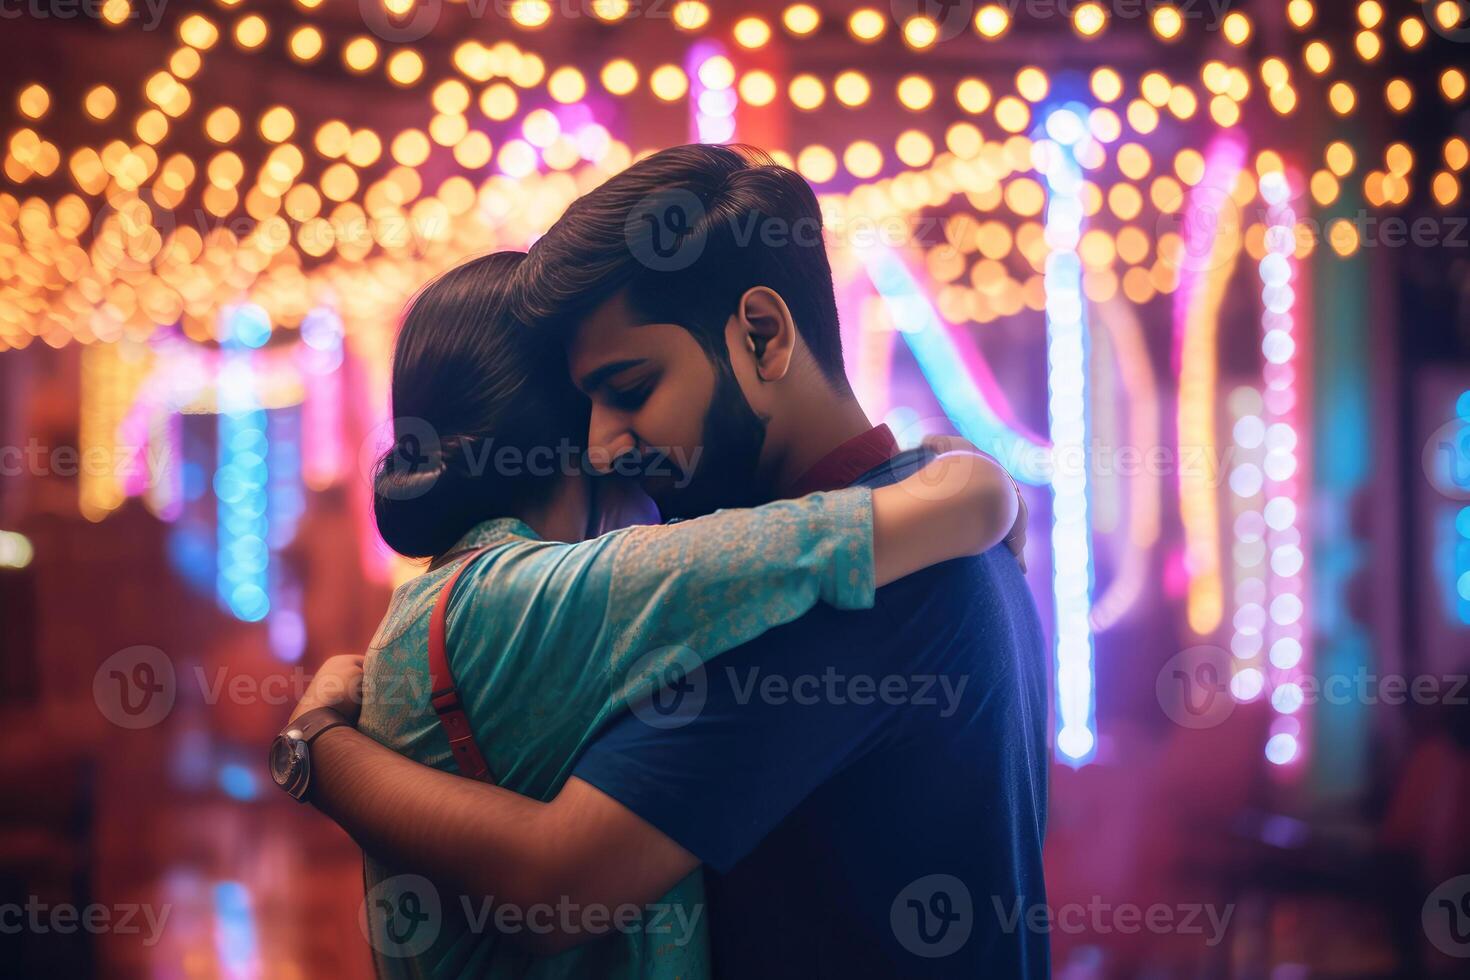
547 641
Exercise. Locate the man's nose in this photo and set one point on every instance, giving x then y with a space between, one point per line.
608 437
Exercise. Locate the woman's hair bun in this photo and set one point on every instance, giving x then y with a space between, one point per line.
425 497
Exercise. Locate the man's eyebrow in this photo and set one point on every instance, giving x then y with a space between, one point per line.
596 379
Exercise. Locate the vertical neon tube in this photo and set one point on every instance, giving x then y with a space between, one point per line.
1211 248
243 565
964 400
1285 586
1066 359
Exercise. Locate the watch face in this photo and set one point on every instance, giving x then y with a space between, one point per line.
285 760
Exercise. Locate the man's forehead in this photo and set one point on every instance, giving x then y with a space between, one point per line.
607 332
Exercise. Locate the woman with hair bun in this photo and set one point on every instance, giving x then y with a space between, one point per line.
551 630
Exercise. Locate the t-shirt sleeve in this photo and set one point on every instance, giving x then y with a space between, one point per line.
762 728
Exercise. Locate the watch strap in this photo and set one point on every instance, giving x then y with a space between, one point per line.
312 723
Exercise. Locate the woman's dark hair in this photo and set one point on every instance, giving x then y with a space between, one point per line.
483 412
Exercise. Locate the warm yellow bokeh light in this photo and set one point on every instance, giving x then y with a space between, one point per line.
669 82
851 88
1300 13
405 67
1237 28
410 148
690 15
1324 187
1089 19
1340 158
1446 188
1011 114
530 14
1342 98
992 20
752 32
1456 153
34 101
1412 32
1167 23
1399 93
863 159
277 124
100 102
306 44
817 164
1368 45
360 54
610 11
801 19
619 76
198 32
1032 84
1318 57
251 32
566 85
499 101
914 148
866 24
807 92
757 88
915 92
972 95
1452 84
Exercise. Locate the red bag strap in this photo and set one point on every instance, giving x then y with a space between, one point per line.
442 692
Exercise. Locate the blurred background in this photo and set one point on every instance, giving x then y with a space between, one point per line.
1198 272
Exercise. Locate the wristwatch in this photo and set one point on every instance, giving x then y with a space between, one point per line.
290 757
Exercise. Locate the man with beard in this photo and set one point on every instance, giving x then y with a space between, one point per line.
867 791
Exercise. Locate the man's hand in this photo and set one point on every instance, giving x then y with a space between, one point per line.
338 685
1015 539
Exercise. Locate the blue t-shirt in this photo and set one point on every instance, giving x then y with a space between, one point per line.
867 790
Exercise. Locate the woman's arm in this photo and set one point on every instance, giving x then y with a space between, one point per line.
710 584
961 503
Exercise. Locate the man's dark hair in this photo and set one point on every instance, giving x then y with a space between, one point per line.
686 232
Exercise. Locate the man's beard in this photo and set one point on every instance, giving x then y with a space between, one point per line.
724 472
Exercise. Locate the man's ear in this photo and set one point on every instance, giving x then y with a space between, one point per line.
767 330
